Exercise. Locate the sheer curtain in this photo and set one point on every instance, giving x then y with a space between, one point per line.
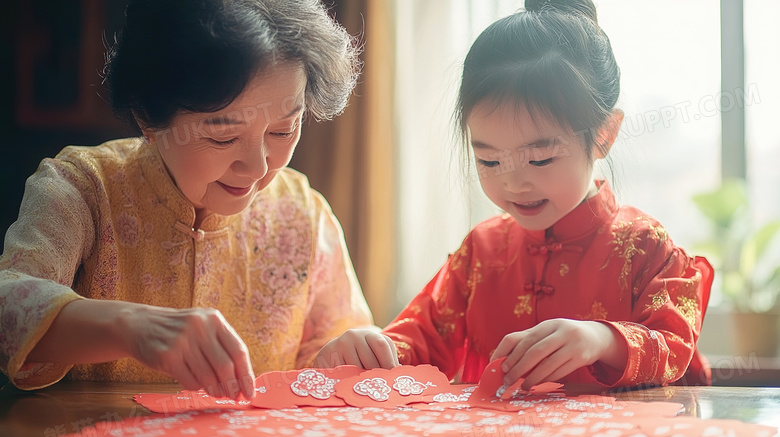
437 200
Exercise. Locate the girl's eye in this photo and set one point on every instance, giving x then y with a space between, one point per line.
488 164
224 143
541 163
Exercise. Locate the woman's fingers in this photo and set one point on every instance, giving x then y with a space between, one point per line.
195 346
236 366
184 376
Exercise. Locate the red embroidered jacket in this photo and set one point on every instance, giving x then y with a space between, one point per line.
600 262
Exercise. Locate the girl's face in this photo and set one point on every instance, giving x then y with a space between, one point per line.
220 160
534 169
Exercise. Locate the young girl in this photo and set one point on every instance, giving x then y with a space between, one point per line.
567 285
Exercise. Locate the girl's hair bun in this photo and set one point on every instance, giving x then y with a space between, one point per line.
584 8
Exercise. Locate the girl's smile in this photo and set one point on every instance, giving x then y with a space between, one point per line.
529 208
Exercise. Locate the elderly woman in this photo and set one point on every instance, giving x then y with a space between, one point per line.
191 252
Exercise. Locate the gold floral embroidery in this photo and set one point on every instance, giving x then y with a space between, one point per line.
670 373
402 321
445 325
402 345
473 279
564 269
456 260
659 299
524 306
689 309
415 309
658 232
689 286
404 350
624 239
597 311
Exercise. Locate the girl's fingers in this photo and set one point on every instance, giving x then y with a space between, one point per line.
529 357
547 368
383 349
506 345
393 351
366 353
562 371
350 356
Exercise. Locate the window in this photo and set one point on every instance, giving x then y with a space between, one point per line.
671 140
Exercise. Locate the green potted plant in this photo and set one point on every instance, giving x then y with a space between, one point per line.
747 262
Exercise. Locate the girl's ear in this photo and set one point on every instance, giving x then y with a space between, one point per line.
608 133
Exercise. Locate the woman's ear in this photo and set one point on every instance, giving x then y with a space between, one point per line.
607 134
146 133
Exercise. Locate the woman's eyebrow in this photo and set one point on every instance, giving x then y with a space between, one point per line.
221 119
295 111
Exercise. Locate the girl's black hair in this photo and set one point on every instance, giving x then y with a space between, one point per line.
199 55
551 58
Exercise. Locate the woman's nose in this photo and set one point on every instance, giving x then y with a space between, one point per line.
253 162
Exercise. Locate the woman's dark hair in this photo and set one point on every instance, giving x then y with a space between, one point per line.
552 58
199 55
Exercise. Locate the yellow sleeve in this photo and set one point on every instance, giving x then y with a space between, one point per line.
42 251
336 302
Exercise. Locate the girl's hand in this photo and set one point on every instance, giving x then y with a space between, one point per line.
196 346
365 348
556 347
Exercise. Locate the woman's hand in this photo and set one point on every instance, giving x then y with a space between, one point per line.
196 346
556 347
366 348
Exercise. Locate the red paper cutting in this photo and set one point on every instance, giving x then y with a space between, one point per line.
296 388
441 409
388 388
491 390
186 400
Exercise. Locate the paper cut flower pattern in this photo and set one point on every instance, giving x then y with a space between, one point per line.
406 385
501 390
452 397
313 383
375 388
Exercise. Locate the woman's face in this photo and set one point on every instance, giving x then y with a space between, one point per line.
220 160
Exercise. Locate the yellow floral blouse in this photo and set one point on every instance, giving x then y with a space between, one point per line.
107 222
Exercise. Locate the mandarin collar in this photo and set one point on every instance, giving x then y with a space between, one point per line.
582 220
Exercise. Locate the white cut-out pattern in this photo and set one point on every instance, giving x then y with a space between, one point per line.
451 397
406 385
501 390
313 383
375 388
